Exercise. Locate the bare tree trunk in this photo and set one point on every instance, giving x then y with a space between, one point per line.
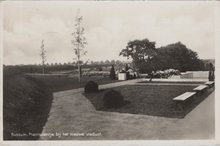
43 69
79 73
43 56
79 42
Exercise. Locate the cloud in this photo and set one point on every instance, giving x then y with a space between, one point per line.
108 28
23 43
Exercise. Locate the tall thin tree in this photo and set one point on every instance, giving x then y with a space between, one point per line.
43 56
79 42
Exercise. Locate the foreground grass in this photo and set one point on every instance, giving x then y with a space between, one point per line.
154 100
26 104
60 83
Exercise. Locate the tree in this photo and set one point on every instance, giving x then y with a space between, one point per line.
112 61
141 51
43 56
146 58
107 62
126 67
101 62
79 42
100 68
178 56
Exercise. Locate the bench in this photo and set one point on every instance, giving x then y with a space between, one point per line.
210 84
184 99
200 89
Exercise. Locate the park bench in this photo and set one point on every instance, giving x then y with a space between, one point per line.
184 99
210 84
200 89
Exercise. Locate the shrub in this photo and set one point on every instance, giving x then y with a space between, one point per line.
113 99
91 87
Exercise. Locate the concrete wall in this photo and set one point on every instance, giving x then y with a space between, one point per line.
195 74
186 75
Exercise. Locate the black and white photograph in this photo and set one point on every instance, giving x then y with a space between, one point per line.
104 70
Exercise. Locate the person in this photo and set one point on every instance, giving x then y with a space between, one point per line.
211 72
151 76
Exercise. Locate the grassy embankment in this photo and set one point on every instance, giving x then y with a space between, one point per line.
26 104
27 101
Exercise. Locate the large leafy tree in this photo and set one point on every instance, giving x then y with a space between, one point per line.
178 56
141 51
147 58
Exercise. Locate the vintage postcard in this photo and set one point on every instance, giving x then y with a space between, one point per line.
109 73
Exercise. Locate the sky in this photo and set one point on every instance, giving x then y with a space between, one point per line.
109 26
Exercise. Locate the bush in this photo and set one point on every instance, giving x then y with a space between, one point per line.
113 99
91 87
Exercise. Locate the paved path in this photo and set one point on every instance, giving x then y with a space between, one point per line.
73 114
168 84
178 80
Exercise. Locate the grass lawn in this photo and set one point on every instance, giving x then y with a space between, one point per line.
155 100
60 83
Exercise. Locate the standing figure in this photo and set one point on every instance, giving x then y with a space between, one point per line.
112 73
151 76
211 72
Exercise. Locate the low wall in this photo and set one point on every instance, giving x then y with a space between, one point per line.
200 74
195 74
186 75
